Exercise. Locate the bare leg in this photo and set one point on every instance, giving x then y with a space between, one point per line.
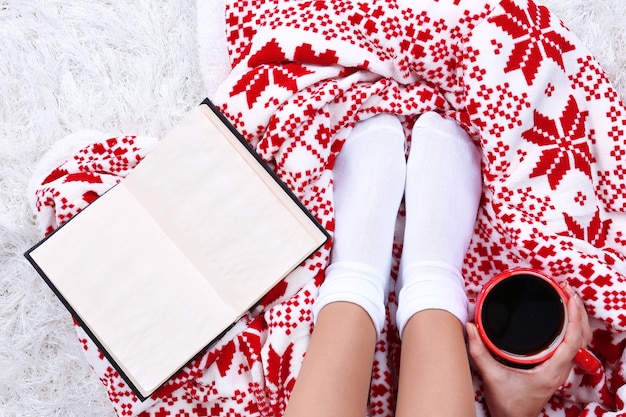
443 189
335 377
435 376
350 309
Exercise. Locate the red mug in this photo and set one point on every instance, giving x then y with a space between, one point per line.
521 316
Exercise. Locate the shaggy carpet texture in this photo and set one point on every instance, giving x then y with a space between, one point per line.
120 67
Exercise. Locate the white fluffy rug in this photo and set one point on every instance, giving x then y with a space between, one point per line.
129 67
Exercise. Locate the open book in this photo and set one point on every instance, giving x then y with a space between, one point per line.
161 265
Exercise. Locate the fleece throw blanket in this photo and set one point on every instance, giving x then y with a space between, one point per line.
548 122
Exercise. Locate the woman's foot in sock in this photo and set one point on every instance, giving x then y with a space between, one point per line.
368 178
443 189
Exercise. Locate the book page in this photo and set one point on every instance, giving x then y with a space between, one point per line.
163 263
135 290
223 210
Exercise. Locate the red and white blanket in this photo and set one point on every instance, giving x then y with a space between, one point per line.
551 129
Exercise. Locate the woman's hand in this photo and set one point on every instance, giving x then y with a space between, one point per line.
523 392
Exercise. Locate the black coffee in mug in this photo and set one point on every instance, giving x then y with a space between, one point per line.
523 315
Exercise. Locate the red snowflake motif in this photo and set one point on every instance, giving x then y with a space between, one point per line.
595 233
272 67
564 144
534 36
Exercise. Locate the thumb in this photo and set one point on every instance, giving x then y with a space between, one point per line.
479 352
574 335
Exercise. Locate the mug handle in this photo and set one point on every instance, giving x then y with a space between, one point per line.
587 361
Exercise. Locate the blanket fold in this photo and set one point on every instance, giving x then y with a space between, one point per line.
548 122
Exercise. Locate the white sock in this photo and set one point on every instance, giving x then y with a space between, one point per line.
443 189
368 177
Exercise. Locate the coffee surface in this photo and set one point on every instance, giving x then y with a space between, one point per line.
523 315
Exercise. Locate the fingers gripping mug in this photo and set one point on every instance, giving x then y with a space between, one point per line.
521 316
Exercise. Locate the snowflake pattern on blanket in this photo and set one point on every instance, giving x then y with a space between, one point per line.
550 127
